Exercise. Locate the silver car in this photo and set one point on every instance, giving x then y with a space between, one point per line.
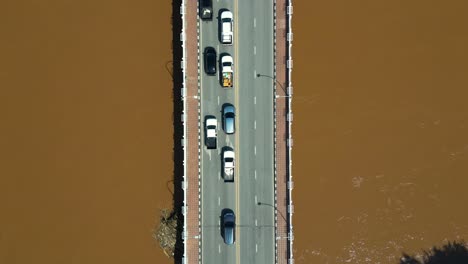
229 116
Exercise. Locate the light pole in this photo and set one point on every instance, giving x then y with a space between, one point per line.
274 79
274 207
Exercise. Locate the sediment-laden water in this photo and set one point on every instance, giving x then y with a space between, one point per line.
381 119
380 125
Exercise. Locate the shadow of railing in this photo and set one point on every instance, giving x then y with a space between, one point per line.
178 154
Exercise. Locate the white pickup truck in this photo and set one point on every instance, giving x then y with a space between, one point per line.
227 71
226 27
228 164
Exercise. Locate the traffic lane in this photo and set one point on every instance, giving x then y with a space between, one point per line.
265 206
246 214
217 251
209 37
213 26
215 194
257 195
265 131
211 195
247 193
264 245
263 135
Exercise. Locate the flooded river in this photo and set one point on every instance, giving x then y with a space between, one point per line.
86 130
380 125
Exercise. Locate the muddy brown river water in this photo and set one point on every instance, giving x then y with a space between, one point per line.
380 129
381 125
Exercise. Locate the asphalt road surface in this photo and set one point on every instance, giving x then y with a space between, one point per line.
251 195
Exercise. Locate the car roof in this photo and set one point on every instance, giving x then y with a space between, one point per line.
229 153
211 121
226 14
226 58
229 109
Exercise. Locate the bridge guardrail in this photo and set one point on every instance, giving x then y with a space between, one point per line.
289 118
183 119
290 184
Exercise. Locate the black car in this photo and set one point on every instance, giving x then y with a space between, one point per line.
210 60
206 9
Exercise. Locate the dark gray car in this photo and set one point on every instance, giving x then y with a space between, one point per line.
229 226
229 119
210 61
206 9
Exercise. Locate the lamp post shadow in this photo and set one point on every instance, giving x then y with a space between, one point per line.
277 82
274 207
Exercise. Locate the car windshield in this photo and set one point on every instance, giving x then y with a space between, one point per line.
229 220
206 3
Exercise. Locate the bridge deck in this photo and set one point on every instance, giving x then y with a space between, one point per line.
192 232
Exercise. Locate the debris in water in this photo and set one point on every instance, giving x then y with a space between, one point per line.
166 234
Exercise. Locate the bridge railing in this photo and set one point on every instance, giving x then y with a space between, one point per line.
183 119
290 184
288 93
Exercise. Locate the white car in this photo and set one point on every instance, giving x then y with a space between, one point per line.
228 164
226 27
211 132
